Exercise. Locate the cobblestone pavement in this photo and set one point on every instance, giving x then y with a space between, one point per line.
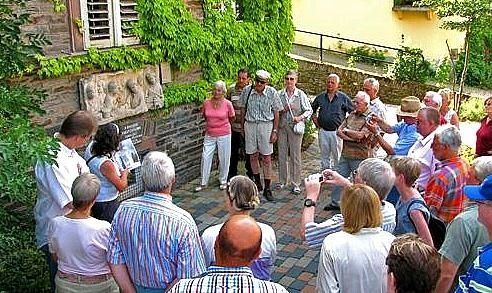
296 265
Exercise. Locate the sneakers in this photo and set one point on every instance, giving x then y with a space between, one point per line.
223 186
267 193
296 190
200 188
279 186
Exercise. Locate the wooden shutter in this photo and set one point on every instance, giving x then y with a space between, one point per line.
128 16
98 23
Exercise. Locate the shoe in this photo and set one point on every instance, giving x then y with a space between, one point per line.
199 188
279 186
296 190
331 207
267 193
223 186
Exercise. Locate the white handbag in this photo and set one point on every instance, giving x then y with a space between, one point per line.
299 126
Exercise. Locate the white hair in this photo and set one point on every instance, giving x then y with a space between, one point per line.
449 135
157 171
85 188
374 83
378 174
336 77
220 85
483 167
361 94
436 98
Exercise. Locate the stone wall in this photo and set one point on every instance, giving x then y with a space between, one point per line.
312 79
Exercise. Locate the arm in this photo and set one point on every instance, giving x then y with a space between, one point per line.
312 192
382 124
379 139
308 111
434 194
232 113
455 120
109 171
327 279
122 278
273 136
448 272
421 226
314 116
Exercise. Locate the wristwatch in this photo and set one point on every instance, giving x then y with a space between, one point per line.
274 130
309 203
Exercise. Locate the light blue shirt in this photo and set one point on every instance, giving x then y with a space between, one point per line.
108 191
407 136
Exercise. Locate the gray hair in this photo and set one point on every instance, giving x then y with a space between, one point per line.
482 167
85 189
374 83
436 98
221 85
157 171
333 75
449 135
292 72
243 193
378 174
364 95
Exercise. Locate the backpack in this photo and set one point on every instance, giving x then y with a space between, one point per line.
437 227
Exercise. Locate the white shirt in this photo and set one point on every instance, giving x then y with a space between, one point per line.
422 151
80 245
262 267
54 184
354 262
377 107
388 212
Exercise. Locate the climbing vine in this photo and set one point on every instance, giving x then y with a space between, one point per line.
220 43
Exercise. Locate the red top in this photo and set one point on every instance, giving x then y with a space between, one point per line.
484 138
217 120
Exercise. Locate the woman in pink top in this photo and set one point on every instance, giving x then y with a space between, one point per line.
218 114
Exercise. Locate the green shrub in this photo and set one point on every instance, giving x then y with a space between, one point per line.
443 71
472 109
367 54
467 153
410 65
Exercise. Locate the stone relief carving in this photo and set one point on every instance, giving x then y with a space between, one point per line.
113 96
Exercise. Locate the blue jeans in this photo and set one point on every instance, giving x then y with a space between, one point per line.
345 167
52 265
141 289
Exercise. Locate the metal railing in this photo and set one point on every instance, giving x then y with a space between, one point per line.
321 49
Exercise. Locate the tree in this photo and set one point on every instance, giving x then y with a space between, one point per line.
469 16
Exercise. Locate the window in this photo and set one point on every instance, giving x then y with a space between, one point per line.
107 23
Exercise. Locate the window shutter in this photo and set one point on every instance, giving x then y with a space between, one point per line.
128 17
98 25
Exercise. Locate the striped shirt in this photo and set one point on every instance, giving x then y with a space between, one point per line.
316 233
157 240
227 279
260 106
479 275
444 193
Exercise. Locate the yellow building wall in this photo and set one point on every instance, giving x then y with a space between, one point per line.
371 21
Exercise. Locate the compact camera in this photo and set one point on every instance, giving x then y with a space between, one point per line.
319 176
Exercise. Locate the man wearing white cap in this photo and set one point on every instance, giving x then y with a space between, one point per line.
479 275
261 107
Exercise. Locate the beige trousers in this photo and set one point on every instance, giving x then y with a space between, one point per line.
289 156
64 286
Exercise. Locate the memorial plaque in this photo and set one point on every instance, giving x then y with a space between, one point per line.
133 130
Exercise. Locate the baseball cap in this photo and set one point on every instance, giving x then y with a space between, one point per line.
480 192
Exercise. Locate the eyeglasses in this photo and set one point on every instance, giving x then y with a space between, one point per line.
260 81
353 175
289 78
488 104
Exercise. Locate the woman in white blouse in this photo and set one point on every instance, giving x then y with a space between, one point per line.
353 260
78 242
297 110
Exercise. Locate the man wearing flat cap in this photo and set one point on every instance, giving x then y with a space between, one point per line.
261 105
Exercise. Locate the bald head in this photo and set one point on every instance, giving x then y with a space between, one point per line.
238 242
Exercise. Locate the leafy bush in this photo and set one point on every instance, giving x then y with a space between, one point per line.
367 54
467 153
443 71
410 65
472 109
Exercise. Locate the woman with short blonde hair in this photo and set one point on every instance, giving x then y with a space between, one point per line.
353 260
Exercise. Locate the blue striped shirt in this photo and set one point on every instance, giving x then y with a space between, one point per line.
227 279
157 240
479 275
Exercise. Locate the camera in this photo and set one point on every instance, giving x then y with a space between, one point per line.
319 176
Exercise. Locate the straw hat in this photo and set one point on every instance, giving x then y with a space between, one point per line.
409 107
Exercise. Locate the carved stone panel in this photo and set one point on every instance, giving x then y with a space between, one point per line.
117 95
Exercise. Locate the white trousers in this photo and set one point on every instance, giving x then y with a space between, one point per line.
331 147
223 145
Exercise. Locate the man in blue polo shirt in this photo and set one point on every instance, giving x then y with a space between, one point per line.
479 275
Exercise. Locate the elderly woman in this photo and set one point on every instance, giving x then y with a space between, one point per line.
79 243
100 157
353 260
434 100
297 110
448 114
218 113
241 198
484 133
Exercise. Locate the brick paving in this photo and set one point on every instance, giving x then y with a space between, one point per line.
296 266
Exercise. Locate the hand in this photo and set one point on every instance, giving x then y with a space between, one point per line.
124 172
315 121
312 188
332 177
273 137
375 118
242 132
372 126
298 119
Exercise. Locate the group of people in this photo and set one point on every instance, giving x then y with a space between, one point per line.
94 243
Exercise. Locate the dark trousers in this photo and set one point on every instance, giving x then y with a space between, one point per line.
237 145
105 210
52 265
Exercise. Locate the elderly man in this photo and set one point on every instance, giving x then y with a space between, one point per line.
54 181
261 105
357 144
464 234
236 246
371 87
444 192
427 123
153 242
479 275
374 172
237 139
333 106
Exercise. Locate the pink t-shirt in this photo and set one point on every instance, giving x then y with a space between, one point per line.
217 120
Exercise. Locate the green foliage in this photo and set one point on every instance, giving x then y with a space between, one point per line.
472 109
443 71
367 54
179 94
410 65
467 153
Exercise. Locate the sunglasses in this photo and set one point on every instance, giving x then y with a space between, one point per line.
260 81
289 78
